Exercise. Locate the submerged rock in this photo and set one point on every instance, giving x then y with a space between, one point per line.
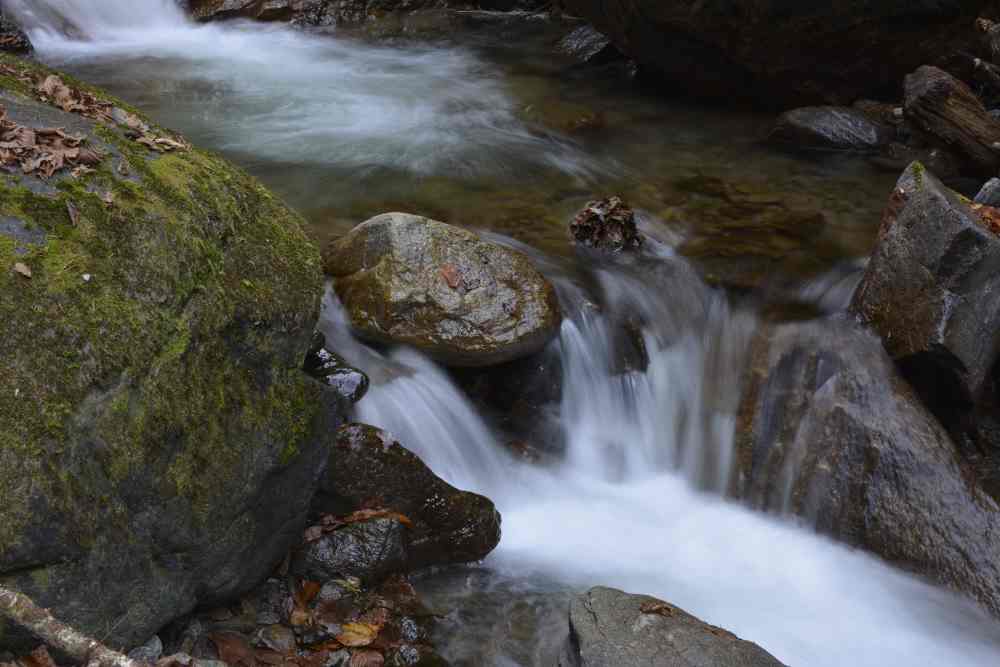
777 52
404 279
448 525
931 291
159 443
609 628
608 225
831 128
989 194
828 431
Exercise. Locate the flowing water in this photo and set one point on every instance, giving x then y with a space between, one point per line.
474 120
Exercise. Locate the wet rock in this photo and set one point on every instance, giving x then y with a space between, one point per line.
931 291
989 194
778 53
279 638
449 525
609 628
404 279
338 12
589 47
346 381
369 550
149 652
948 110
159 444
608 225
830 432
831 128
12 38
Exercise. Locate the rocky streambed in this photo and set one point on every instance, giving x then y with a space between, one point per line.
749 399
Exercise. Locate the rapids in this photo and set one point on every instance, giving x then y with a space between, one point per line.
637 501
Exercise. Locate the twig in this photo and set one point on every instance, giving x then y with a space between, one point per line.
20 609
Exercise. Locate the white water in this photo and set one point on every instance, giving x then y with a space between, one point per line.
633 504
271 92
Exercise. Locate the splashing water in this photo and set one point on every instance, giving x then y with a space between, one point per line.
271 92
635 504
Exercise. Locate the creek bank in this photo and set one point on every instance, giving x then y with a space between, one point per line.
405 279
610 628
340 12
780 54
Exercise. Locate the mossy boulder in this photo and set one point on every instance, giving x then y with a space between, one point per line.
406 279
158 440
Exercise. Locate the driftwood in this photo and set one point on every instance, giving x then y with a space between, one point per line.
948 110
20 609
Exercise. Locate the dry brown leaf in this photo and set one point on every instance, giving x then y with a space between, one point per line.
22 269
451 275
38 658
269 657
368 515
358 634
366 659
659 608
234 649
74 213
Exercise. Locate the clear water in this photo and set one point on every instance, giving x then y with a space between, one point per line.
472 124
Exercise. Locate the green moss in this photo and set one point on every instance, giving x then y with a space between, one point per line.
176 363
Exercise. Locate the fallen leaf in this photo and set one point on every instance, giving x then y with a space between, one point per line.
358 634
268 657
659 608
234 649
22 269
366 659
451 275
74 213
38 658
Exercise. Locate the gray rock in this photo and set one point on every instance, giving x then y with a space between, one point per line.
989 194
159 444
829 432
149 652
449 525
465 301
931 291
609 628
588 46
369 550
329 368
831 128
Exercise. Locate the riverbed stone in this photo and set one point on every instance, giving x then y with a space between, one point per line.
781 52
448 525
369 550
828 431
931 291
611 628
159 442
831 128
465 301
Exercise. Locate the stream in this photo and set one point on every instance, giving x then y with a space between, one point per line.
473 119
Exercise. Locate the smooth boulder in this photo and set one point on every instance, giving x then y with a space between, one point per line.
829 432
831 128
369 550
782 53
159 442
931 291
946 109
465 301
447 525
610 628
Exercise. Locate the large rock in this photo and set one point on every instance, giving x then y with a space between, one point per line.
370 468
829 432
609 628
409 280
831 128
932 291
158 439
948 111
782 52
335 12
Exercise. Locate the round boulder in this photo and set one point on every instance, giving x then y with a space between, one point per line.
405 279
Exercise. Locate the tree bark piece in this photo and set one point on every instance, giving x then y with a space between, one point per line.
23 611
947 109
